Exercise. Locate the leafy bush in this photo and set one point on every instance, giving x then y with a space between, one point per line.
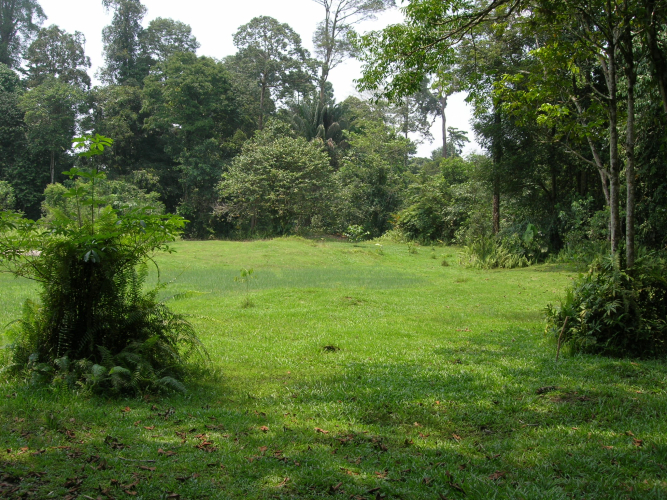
424 220
7 198
120 195
95 324
508 251
491 253
615 312
584 233
277 185
356 233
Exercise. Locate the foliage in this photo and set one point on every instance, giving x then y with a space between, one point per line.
190 103
19 21
585 233
446 203
271 55
371 178
91 265
19 166
279 184
332 35
122 196
7 198
424 219
356 233
58 54
415 113
126 64
615 312
51 111
491 253
164 37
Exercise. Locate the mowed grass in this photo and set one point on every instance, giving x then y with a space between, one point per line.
354 375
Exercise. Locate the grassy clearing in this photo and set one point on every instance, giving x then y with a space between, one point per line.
354 375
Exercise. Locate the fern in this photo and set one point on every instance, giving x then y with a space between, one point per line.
94 311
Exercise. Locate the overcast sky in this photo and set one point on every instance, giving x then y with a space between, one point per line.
213 24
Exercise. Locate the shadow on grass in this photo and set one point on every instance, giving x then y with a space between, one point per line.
474 420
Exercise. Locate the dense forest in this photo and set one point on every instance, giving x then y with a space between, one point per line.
569 104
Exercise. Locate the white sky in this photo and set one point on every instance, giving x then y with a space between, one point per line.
213 24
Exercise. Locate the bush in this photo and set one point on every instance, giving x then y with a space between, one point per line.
505 251
120 195
615 312
491 253
356 233
277 185
95 324
7 198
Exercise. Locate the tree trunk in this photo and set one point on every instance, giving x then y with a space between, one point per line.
53 167
260 122
497 158
631 77
614 161
443 109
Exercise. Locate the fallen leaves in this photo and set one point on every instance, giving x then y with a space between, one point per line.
113 443
321 431
497 475
282 483
546 389
168 453
334 489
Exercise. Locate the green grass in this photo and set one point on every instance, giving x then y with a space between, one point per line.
423 380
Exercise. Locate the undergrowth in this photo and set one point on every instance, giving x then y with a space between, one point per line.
614 311
95 326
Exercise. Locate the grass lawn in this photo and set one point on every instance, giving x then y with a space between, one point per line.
354 375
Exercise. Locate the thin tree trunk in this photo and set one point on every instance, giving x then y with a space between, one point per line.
443 109
604 173
497 158
614 161
53 167
630 150
260 122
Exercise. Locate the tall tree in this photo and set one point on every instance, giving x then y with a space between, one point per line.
416 112
270 53
332 36
56 53
457 139
51 111
164 37
189 103
19 22
278 183
13 144
125 62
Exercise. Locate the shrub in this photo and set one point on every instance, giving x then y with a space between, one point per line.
121 195
7 198
615 312
355 233
507 251
95 324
